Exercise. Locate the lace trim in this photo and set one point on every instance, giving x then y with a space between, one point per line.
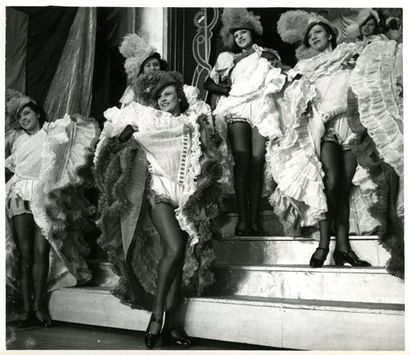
381 110
112 177
58 205
189 183
267 118
294 165
326 63
183 164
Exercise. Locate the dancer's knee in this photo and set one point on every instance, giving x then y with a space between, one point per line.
174 253
258 160
25 259
331 184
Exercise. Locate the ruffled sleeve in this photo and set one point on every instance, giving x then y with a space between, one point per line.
196 105
117 119
127 97
224 64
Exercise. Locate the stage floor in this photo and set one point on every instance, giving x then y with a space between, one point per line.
68 336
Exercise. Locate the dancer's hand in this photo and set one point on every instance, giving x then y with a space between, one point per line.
272 57
126 134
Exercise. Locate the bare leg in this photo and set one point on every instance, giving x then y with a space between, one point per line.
239 135
171 262
24 231
342 215
256 178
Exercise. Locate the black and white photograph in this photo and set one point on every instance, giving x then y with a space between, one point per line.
204 178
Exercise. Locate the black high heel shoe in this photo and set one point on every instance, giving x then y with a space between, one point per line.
151 339
176 337
315 262
43 317
342 257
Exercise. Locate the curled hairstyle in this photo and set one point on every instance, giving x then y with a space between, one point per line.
183 101
146 88
163 65
376 26
37 109
329 30
235 48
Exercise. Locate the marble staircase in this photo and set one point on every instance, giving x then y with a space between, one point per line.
265 293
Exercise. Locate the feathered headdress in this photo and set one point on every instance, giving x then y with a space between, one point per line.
15 100
292 27
353 30
235 19
136 50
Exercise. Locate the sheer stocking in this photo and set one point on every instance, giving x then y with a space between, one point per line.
23 226
239 135
40 267
256 176
342 216
330 154
170 265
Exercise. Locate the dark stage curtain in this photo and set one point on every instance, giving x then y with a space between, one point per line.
48 29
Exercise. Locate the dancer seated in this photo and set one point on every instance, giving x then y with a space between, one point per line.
47 213
166 174
247 81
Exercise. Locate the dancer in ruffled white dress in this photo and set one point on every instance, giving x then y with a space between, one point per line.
317 136
169 175
44 235
248 83
143 58
319 114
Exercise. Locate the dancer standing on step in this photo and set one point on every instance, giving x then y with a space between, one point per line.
316 137
163 184
248 82
44 245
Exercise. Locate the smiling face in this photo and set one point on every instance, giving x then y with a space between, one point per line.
28 120
168 100
243 38
151 65
318 38
369 27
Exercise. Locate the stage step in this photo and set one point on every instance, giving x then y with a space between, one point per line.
329 283
281 323
348 284
226 223
280 250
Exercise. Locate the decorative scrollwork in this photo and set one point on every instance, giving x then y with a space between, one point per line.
205 20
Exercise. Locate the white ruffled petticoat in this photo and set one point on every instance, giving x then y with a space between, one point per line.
294 161
254 84
172 146
42 163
